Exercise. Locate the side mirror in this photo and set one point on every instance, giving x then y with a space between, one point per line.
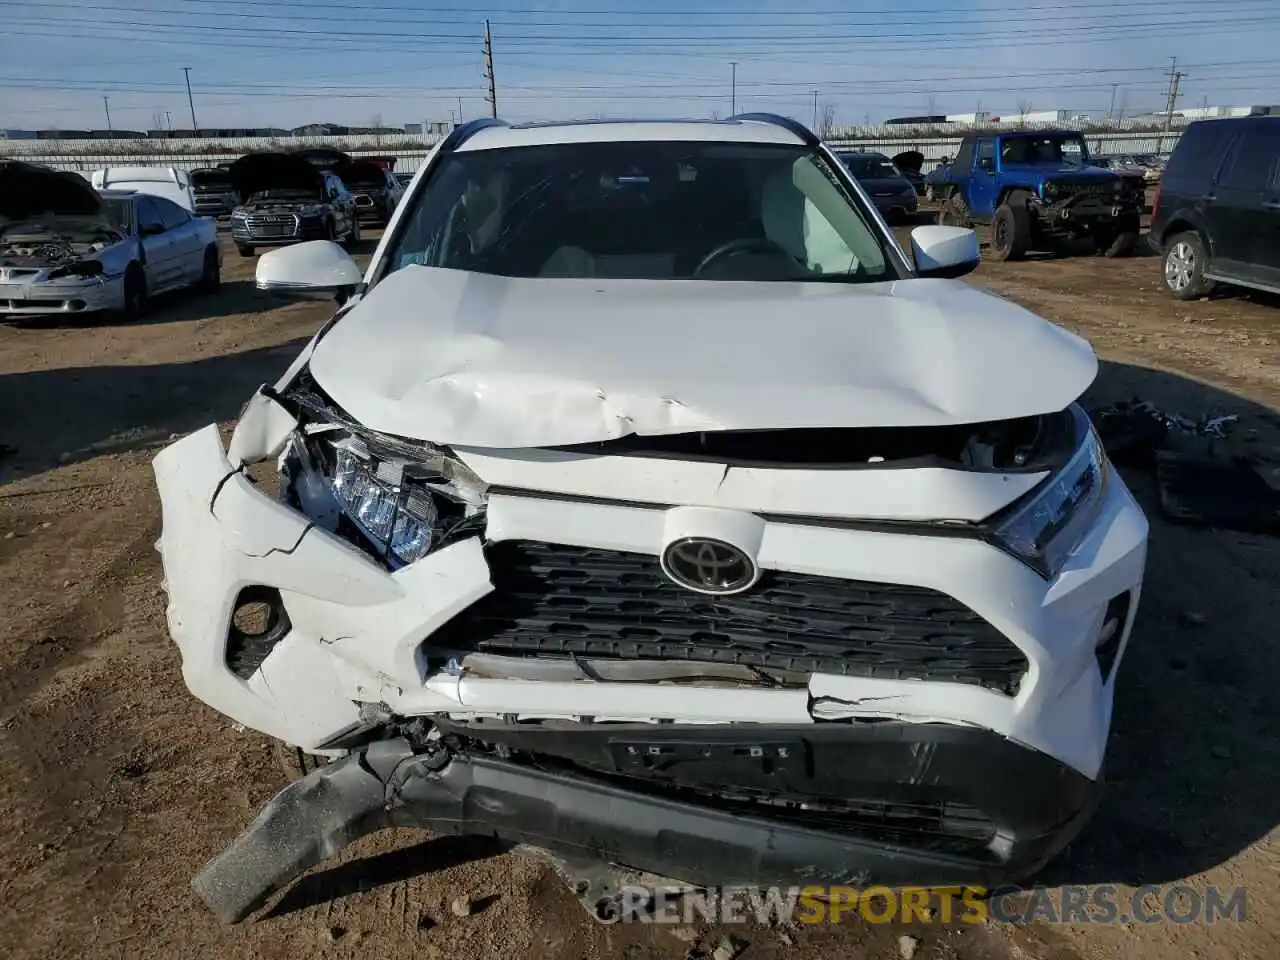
150 229
315 270
986 163
946 252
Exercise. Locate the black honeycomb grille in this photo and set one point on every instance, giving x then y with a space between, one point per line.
552 599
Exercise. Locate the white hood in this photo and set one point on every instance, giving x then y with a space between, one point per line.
486 361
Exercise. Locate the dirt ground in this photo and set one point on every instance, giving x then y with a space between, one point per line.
116 785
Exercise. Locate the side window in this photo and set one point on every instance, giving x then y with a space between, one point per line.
964 158
1199 152
172 214
1254 165
987 154
150 220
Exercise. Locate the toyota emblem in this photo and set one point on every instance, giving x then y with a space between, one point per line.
709 566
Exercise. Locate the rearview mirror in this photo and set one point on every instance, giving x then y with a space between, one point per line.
315 270
944 251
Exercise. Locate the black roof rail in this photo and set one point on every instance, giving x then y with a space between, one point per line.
465 131
794 126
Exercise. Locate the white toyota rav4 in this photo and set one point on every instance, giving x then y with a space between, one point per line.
646 502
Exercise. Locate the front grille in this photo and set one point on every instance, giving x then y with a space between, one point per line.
572 601
1105 189
267 225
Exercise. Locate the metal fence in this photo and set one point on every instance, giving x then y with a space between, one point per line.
412 151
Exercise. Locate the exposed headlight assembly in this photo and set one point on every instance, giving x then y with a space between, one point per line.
1048 524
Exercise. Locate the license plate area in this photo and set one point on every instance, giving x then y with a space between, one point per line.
708 757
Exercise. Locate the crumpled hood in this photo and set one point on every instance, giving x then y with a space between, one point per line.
487 361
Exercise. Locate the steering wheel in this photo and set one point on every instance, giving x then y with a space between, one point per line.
741 246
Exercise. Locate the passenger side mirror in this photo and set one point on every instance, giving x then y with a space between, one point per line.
150 229
315 270
946 252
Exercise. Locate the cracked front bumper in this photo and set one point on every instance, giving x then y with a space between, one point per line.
359 634
61 299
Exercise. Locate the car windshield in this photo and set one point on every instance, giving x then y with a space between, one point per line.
869 168
1068 149
665 210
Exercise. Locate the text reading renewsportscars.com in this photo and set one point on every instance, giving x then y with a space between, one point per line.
1103 903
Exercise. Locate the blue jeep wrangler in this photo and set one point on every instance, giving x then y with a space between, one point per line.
1036 189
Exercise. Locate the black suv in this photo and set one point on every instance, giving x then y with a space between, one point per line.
1217 213
285 199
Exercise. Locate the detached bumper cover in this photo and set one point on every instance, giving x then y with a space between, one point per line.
698 843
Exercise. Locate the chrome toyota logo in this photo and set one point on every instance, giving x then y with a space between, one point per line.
709 566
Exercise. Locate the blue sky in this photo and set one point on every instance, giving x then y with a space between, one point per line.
291 62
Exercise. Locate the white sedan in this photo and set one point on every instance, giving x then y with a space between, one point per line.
66 248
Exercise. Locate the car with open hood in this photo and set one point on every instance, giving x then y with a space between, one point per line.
68 249
284 198
892 193
215 194
374 187
740 545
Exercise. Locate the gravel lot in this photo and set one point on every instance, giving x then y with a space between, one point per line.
116 786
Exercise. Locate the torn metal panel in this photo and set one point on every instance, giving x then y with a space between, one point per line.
489 361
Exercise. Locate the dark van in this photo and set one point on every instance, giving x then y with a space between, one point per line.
1217 212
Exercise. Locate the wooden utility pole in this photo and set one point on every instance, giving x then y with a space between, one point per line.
488 70
106 105
1175 78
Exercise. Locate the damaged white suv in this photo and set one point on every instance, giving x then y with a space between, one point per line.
645 502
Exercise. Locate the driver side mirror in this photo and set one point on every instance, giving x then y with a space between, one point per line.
150 229
986 163
315 270
945 252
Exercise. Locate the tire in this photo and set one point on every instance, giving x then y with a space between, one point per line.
211 274
244 249
135 293
1010 232
1185 258
1119 242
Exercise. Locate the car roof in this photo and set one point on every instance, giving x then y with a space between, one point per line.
744 130
117 194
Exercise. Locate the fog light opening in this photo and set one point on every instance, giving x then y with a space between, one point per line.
258 622
1112 632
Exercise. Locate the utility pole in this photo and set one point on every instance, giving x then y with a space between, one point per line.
191 103
1111 110
459 109
106 105
488 70
733 88
815 110
168 121
1175 78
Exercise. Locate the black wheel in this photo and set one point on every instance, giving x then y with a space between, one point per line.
1185 258
211 274
1010 232
244 249
135 293
1118 241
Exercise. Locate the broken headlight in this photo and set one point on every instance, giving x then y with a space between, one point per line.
398 499
1048 524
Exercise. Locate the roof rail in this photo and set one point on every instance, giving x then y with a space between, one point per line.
465 131
794 126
